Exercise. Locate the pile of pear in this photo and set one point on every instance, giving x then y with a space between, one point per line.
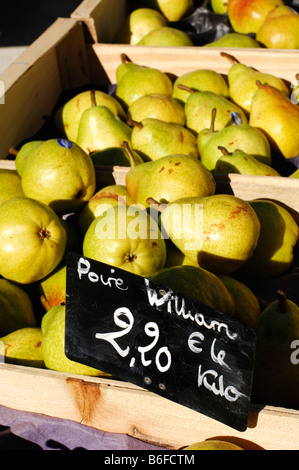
172 134
250 24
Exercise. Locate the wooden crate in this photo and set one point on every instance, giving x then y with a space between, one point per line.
62 59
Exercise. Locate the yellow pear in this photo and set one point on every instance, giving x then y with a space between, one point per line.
280 29
23 347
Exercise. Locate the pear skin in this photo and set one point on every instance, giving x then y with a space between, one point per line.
25 151
247 16
23 347
173 11
199 284
219 234
242 163
213 444
278 118
280 29
200 80
157 106
10 184
167 37
137 24
234 40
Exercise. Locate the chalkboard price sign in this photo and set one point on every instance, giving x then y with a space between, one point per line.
159 339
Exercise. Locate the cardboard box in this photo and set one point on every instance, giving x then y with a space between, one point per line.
61 60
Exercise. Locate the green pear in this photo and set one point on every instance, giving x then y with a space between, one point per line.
126 65
218 232
23 347
276 373
243 137
16 308
278 117
173 11
60 174
280 30
25 151
234 40
153 139
141 81
166 36
199 284
242 81
137 24
32 240
100 128
101 201
242 163
10 184
53 345
247 307
279 233
200 80
69 115
219 6
168 178
199 106
126 237
213 444
157 106
247 16
52 288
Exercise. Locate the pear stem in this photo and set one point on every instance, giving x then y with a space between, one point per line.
130 154
135 123
13 151
282 302
181 86
124 58
213 117
259 84
223 150
93 98
230 58
157 205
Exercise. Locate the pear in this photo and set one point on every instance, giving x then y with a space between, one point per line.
126 65
167 37
141 81
199 106
16 308
200 80
243 137
10 184
280 30
279 233
52 288
219 6
101 201
247 16
153 139
60 174
32 240
53 345
68 116
242 163
276 375
137 24
218 232
168 178
278 118
157 106
127 237
247 307
100 128
24 347
213 444
242 81
199 284
25 151
173 11
234 40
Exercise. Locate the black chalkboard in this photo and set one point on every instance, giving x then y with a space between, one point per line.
156 338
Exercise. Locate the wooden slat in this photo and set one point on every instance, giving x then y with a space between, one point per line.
121 407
